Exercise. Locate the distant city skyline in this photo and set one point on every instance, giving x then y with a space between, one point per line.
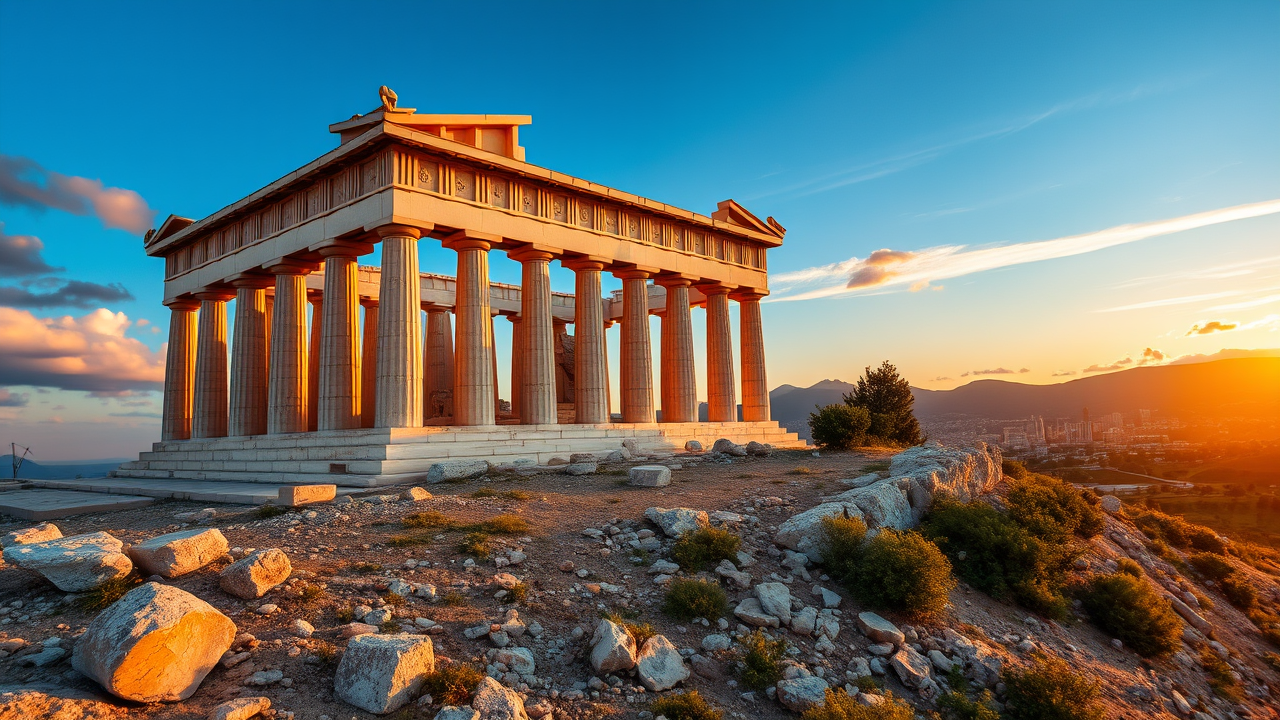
1031 193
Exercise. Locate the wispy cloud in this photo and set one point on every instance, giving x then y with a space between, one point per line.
1217 272
1212 326
1265 300
24 183
1179 300
1149 356
896 269
996 371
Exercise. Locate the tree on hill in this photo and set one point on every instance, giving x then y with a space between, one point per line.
878 411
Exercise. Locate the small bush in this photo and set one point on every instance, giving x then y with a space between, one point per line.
265 512
453 683
705 546
1051 509
1129 567
505 525
1272 659
345 615
801 470
685 706
1049 689
516 495
956 705
1224 683
1239 591
1013 469
904 571
841 547
409 540
475 544
760 660
365 568
1126 607
453 598
1205 539
839 427
326 653
689 599
393 599
390 626
484 493
428 519
519 593
1212 567
1178 532
839 706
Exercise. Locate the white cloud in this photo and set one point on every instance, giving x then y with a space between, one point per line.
24 182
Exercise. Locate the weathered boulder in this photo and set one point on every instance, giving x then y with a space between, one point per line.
26 536
879 630
692 446
803 532
612 648
415 494
240 708
659 665
802 693
775 600
758 449
256 573
728 447
677 521
730 572
155 644
804 621
178 553
456 470
453 712
883 504
940 661
912 667
963 473
519 660
861 481
580 468
649 476
1111 504
1191 616
750 612
381 673
75 564
716 642
495 702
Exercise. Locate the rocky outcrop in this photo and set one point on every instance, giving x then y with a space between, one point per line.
878 629
803 532
78 563
178 553
255 574
382 673
883 504
659 665
612 648
155 644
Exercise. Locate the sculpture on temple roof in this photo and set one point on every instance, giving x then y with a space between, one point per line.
389 98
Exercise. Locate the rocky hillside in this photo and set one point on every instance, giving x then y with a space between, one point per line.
620 591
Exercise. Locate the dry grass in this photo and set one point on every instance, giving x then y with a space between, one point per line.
428 519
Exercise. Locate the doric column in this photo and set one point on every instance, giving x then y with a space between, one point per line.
399 330
493 362
249 353
209 409
313 359
559 329
517 361
755 388
590 363
437 381
637 359
538 389
179 371
473 382
679 387
339 386
369 362
287 394
721 400
608 379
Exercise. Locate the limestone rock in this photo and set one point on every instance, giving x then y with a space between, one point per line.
750 612
612 648
240 708
963 473
580 468
415 494
677 521
912 667
39 701
940 661
495 702
75 564
178 553
878 629
453 712
649 476
659 665
26 536
381 673
728 447
155 644
298 495
804 622
758 449
803 532
255 574
883 504
775 600
456 470
801 693
740 579
1111 504
1191 616
519 660
716 642
693 446
862 480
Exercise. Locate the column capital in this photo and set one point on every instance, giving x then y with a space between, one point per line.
342 248
290 266
531 253
668 280
214 294
748 295
709 289
183 303
471 240
634 273
433 307
514 318
397 230
254 281
583 262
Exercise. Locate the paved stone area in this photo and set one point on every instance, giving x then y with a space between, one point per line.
47 504
241 493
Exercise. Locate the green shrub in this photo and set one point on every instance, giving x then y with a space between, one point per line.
760 660
1002 558
956 705
453 683
705 546
1221 679
1013 468
638 631
886 395
689 599
428 519
1205 539
904 571
1052 510
685 706
1239 591
1049 689
476 545
505 525
1178 532
110 591
839 427
1129 567
841 547
1212 567
839 706
1126 607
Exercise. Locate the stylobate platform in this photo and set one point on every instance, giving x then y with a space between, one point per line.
388 456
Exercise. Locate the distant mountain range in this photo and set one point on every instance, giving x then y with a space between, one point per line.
1219 389
32 470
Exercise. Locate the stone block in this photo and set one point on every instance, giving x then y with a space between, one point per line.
382 673
456 470
178 553
74 564
296 495
255 574
649 476
26 536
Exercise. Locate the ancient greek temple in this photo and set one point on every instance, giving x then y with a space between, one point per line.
379 396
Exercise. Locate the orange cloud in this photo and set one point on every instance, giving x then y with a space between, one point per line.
25 183
1211 327
89 353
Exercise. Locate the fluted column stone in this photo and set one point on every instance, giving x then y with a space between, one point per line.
210 406
755 387
437 381
679 385
493 362
369 363
637 357
590 362
538 390
517 361
721 398
249 355
179 372
399 381
474 393
339 382
287 393
316 300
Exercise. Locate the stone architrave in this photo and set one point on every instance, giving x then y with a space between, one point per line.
180 372
637 355
399 383
210 406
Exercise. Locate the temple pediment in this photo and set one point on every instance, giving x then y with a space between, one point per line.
495 133
731 212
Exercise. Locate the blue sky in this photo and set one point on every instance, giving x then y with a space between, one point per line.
860 127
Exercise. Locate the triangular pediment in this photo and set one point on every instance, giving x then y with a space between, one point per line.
731 212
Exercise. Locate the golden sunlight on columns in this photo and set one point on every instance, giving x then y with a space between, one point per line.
493 361
473 381
179 372
249 352
538 389
399 382
287 392
339 386
517 361
608 380
437 381
590 363
679 387
637 358
721 400
313 358
755 387
209 409
369 362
